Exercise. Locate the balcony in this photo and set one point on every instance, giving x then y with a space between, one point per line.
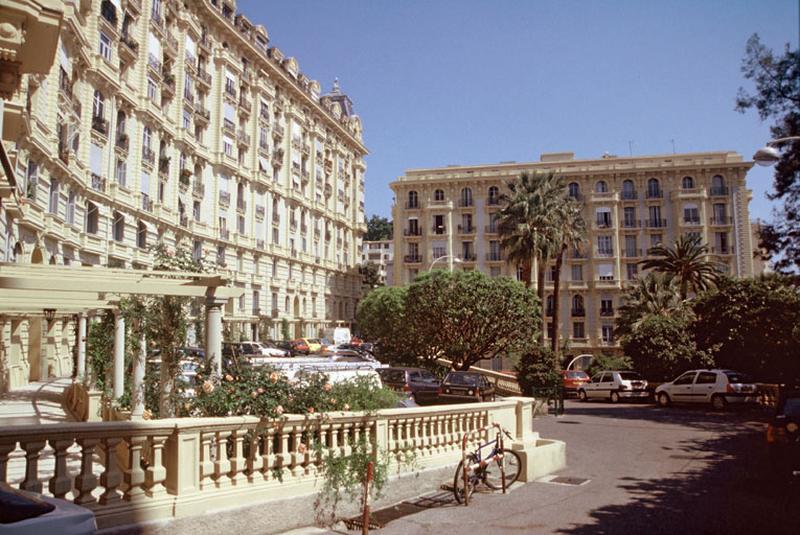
603 223
225 234
578 312
604 253
154 64
183 220
632 253
201 114
466 229
147 203
412 259
655 193
439 229
722 250
655 223
631 223
260 211
230 91
184 179
224 198
163 164
412 232
276 219
469 257
491 229
148 156
721 221
198 188
98 183
122 142
718 191
412 205
243 139
495 256
168 85
278 131
99 124
205 44
245 104
277 157
128 48
465 203
260 244
228 127
203 77
241 205
606 312
691 220
493 201
629 195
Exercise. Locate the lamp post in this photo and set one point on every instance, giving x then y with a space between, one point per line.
769 154
455 260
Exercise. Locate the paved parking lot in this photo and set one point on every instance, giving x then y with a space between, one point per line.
650 470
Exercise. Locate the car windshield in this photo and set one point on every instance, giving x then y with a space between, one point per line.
792 408
630 376
577 375
313 341
470 379
393 376
735 377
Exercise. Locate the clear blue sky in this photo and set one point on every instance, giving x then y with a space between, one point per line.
465 82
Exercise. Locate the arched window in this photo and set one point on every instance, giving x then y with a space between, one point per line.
413 199
494 195
628 190
577 304
601 187
466 197
653 188
98 104
119 227
718 185
574 190
438 195
687 182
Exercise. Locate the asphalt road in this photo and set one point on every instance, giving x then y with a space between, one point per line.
650 470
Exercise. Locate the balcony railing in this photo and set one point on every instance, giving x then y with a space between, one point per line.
631 253
412 232
494 256
466 229
100 124
631 223
469 257
603 223
656 223
604 253
203 76
493 201
578 312
718 249
630 195
465 203
718 191
122 142
260 211
439 229
691 220
224 198
491 229
241 204
412 205
225 234
412 259
721 220
605 312
148 156
98 183
654 193
147 203
243 139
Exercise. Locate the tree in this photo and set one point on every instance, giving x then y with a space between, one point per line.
381 318
777 96
661 347
536 369
378 228
686 262
751 325
466 316
653 294
371 275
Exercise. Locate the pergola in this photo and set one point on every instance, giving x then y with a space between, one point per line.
51 291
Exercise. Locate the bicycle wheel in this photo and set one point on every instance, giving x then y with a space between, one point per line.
512 464
458 483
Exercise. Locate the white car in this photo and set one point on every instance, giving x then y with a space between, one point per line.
271 351
717 387
613 386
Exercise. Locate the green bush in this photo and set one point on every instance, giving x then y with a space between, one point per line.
609 362
538 371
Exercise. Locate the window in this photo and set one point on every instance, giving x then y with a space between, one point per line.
119 227
605 272
494 195
603 215
466 197
687 182
653 188
70 215
655 217
607 333
629 217
577 272
601 187
438 251
152 90
227 145
628 190
221 255
578 330
574 190
604 246
691 214
121 172
187 119
685 379
141 235
147 137
631 271
105 46
98 104
577 304
197 250
656 239
630 246
438 195
706 378
606 306
92 218
54 196
550 306
718 185
720 213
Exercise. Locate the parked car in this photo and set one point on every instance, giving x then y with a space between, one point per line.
314 345
783 434
717 387
614 386
465 387
572 380
300 346
284 345
270 350
416 383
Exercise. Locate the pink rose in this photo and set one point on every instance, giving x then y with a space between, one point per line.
346 407
327 387
208 387
273 377
311 410
278 410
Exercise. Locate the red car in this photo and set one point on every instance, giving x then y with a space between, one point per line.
574 379
300 346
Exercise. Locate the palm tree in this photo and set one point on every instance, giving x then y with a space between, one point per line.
569 232
686 262
655 294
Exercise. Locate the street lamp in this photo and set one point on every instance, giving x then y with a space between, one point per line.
456 260
769 154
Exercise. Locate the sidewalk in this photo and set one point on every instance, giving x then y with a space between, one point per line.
34 404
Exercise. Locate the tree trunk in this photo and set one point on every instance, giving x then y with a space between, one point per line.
540 293
557 302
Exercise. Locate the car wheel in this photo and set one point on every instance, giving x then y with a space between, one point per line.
614 397
582 395
718 402
663 399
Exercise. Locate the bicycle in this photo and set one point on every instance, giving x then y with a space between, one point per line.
487 469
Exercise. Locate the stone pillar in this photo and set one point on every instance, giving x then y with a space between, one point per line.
137 387
49 356
81 343
119 354
214 331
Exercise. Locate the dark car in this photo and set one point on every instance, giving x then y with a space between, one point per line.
282 344
783 435
300 346
416 383
463 387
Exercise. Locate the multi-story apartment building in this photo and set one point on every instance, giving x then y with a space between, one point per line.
177 123
381 253
447 215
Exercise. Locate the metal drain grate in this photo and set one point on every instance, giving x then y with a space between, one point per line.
566 480
381 517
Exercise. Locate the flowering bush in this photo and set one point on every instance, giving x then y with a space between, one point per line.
265 392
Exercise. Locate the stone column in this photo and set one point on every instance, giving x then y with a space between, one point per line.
49 355
214 331
137 387
81 343
119 354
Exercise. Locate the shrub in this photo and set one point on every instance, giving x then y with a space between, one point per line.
609 362
538 370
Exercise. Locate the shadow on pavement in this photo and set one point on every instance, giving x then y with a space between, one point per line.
733 490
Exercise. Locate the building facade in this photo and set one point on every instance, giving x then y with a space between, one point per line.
177 123
380 253
629 204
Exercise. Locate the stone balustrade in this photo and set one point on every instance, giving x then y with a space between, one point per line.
138 471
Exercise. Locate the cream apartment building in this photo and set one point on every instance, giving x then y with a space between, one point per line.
178 123
447 214
381 253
